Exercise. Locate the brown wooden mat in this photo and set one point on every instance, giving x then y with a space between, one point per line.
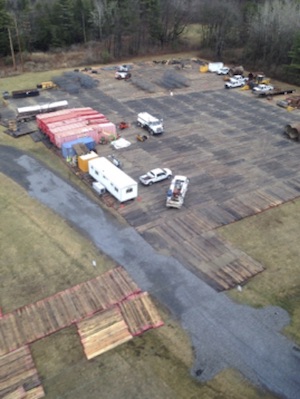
110 328
40 319
103 332
18 376
140 313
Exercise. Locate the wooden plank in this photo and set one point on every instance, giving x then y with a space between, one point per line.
140 314
18 393
6 342
102 332
35 393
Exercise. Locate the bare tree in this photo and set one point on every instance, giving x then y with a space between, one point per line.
272 30
221 22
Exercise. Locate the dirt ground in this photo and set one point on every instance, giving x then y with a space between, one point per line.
35 244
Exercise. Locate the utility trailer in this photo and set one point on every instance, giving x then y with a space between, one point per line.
275 92
25 114
116 182
25 93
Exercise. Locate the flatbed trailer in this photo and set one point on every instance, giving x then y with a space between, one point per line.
25 114
275 92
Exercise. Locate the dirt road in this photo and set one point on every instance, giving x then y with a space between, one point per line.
223 333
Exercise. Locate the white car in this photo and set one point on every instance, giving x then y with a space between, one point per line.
223 71
155 175
122 75
262 88
124 68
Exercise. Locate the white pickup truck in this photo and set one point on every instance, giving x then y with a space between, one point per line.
150 123
177 192
155 175
236 81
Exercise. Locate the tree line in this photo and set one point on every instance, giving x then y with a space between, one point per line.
267 32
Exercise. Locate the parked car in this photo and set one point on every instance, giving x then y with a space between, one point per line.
223 71
122 75
155 175
262 88
124 68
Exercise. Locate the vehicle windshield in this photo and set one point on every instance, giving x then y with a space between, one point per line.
158 123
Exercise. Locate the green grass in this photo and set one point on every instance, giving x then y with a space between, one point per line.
272 238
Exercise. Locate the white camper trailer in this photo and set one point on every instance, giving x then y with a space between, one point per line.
116 182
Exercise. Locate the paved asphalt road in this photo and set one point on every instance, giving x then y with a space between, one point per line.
223 333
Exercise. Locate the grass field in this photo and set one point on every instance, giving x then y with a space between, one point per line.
272 238
41 255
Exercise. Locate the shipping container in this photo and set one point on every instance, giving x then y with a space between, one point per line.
83 161
61 138
109 128
68 150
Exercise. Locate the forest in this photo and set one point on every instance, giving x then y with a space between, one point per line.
258 33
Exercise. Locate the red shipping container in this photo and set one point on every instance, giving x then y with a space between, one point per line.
108 128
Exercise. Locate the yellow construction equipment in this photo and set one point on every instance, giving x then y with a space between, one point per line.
262 79
203 68
46 85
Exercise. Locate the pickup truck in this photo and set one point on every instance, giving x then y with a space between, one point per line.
150 123
177 192
235 81
155 175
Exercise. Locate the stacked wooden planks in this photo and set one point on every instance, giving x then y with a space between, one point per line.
110 328
140 314
18 376
35 321
103 332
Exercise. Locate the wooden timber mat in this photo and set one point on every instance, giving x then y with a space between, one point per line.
37 320
110 328
140 313
18 376
191 235
103 332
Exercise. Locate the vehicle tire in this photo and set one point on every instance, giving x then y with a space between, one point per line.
150 183
169 177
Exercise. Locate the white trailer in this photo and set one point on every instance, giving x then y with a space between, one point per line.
116 182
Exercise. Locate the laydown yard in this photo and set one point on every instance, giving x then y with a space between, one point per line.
231 146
